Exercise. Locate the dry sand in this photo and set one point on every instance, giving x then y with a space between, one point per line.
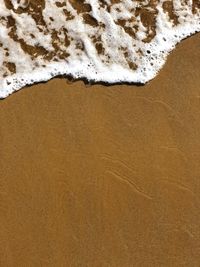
103 176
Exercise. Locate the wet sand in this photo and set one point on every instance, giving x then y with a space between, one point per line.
103 176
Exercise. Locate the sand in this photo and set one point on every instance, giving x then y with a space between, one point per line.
103 176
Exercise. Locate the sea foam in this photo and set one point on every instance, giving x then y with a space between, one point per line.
100 40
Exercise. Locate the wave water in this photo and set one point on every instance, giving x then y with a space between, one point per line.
100 40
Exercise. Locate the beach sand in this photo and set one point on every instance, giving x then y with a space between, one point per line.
103 175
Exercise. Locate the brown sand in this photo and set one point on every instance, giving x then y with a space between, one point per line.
103 176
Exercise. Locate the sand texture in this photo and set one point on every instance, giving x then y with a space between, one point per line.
96 176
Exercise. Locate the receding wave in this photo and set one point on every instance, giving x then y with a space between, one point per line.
100 40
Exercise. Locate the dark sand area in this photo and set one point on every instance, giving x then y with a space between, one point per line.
103 176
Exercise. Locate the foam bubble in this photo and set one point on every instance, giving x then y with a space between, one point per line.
106 40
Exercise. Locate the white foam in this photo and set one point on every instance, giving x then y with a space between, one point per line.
121 50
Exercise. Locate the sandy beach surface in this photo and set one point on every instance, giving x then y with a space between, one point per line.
103 175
